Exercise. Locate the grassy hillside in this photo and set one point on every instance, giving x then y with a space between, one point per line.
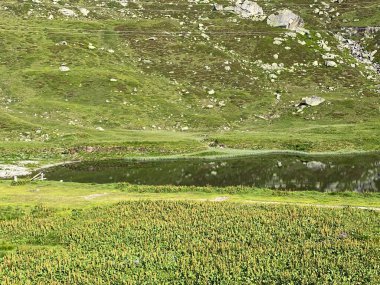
182 74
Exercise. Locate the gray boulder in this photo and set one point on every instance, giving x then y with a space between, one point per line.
285 19
312 101
248 9
244 9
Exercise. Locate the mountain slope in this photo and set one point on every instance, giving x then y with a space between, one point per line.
80 72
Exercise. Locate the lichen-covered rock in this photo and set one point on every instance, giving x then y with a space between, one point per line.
285 19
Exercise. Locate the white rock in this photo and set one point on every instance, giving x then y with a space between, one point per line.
84 11
285 18
64 68
330 63
247 9
100 129
312 101
67 12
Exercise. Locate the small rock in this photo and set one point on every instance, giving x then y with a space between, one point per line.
84 11
64 68
312 101
330 63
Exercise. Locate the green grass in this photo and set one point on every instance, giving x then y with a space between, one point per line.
61 195
189 243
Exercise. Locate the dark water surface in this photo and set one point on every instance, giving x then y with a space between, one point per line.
355 172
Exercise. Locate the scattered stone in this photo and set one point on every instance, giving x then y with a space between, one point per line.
100 129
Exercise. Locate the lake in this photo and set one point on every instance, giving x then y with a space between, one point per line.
284 171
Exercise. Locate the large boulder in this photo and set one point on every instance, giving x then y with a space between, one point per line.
244 9
285 19
248 9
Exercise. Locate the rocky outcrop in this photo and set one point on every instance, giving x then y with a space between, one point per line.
358 52
285 19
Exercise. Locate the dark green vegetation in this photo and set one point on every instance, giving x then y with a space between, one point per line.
147 67
189 243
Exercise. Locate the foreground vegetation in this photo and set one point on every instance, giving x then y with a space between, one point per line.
156 242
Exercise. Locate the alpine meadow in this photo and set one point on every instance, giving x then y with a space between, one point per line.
189 142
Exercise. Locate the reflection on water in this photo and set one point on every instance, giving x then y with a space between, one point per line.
357 172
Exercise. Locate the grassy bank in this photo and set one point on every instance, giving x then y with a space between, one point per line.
62 195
